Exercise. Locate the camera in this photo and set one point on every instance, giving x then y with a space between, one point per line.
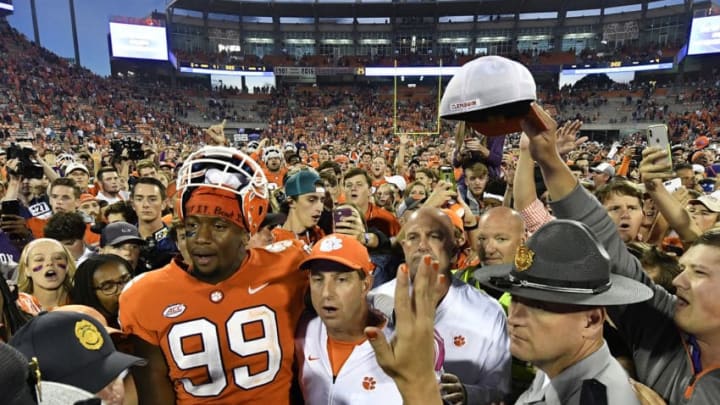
27 166
133 147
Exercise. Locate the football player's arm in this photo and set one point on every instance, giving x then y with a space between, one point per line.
152 382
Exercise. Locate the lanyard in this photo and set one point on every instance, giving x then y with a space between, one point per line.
694 353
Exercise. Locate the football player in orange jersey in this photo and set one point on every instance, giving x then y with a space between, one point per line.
221 329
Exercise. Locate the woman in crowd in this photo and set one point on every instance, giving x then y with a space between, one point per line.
45 274
416 190
98 282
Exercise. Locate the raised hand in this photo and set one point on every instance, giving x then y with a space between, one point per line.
409 358
566 137
541 130
655 166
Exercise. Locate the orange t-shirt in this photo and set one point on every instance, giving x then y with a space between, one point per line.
378 182
91 238
339 352
37 226
382 219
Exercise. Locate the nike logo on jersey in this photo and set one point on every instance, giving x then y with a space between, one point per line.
252 291
313 358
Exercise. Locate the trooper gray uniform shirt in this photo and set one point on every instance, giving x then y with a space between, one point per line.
583 380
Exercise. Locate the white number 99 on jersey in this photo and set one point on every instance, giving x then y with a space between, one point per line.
209 356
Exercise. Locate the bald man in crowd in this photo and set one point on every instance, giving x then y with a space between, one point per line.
477 356
500 231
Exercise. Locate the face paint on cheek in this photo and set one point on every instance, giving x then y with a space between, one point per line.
62 266
37 268
190 234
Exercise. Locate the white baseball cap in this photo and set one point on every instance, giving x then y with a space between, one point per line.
398 181
76 166
604 168
710 201
491 93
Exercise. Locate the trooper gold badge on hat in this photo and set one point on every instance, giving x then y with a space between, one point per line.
74 349
564 263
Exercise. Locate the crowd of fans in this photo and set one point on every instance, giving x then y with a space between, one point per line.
90 224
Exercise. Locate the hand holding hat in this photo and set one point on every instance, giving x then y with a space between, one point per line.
541 130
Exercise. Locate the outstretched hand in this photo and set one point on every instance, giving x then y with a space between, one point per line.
566 137
409 358
654 167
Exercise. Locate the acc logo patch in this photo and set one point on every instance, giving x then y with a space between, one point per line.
88 335
278 247
173 311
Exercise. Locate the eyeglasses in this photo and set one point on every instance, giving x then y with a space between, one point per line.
112 287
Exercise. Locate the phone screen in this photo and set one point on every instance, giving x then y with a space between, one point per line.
340 213
657 137
11 207
447 174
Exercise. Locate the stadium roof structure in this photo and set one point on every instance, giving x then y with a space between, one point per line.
375 8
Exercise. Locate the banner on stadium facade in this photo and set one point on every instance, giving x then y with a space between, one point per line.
311 71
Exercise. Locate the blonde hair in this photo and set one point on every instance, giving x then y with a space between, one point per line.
25 283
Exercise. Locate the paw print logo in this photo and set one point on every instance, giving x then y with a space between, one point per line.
330 244
368 383
459 341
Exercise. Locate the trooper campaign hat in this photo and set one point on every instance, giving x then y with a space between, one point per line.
563 262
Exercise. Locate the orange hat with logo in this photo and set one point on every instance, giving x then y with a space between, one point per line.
343 252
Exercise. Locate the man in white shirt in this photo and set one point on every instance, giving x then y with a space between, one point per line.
110 186
472 324
336 362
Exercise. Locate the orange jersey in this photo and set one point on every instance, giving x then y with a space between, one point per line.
382 219
225 343
275 177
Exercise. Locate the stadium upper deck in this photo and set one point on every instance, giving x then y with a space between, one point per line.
382 29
